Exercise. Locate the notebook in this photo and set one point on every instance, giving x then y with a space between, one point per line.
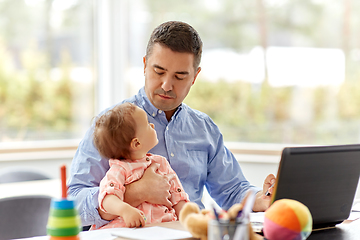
324 178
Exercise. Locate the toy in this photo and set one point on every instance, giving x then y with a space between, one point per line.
287 219
196 220
64 222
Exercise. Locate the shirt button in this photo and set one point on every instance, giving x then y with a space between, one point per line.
167 128
160 111
147 159
153 114
172 154
179 189
111 184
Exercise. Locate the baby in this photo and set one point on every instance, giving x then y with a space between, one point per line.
124 135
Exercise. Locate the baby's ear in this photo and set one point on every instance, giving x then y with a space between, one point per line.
135 144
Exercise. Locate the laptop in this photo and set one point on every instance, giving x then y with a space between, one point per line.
324 178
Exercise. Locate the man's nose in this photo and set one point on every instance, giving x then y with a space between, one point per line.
167 84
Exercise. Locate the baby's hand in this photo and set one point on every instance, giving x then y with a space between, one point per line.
133 217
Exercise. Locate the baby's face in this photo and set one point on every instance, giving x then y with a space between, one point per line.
145 131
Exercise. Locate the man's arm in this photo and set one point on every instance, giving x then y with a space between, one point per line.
152 187
225 182
87 170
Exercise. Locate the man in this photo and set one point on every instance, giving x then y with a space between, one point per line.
189 139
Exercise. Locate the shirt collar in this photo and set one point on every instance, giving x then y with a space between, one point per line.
178 111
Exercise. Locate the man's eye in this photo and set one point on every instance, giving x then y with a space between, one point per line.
179 77
159 73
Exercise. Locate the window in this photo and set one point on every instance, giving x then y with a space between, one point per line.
273 71
46 69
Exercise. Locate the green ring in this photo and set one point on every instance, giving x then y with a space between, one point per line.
63 232
63 212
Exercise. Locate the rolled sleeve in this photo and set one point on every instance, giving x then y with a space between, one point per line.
110 187
178 195
176 189
113 183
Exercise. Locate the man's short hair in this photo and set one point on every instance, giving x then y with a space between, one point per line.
179 37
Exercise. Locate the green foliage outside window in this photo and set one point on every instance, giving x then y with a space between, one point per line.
261 113
30 99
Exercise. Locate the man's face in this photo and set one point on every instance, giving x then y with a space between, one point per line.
168 77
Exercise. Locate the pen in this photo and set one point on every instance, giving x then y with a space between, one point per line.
239 214
244 216
267 191
216 214
221 231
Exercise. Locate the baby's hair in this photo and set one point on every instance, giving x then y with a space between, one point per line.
114 131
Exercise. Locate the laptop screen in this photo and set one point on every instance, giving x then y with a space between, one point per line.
322 178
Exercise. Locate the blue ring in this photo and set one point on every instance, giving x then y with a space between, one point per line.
62 204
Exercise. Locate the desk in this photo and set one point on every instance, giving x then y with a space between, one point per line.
348 231
345 231
51 187
105 234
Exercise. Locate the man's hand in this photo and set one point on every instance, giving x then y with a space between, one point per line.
262 201
268 185
152 187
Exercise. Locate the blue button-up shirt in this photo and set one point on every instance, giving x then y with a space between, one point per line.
190 141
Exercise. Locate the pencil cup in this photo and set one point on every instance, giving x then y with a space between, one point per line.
228 230
64 222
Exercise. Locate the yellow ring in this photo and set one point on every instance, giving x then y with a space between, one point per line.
64 222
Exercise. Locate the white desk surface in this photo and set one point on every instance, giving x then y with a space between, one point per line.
52 188
345 231
106 234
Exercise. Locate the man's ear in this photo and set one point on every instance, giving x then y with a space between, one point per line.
144 61
135 144
196 74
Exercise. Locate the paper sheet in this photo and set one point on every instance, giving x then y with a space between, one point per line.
151 233
354 216
356 207
257 221
257 217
